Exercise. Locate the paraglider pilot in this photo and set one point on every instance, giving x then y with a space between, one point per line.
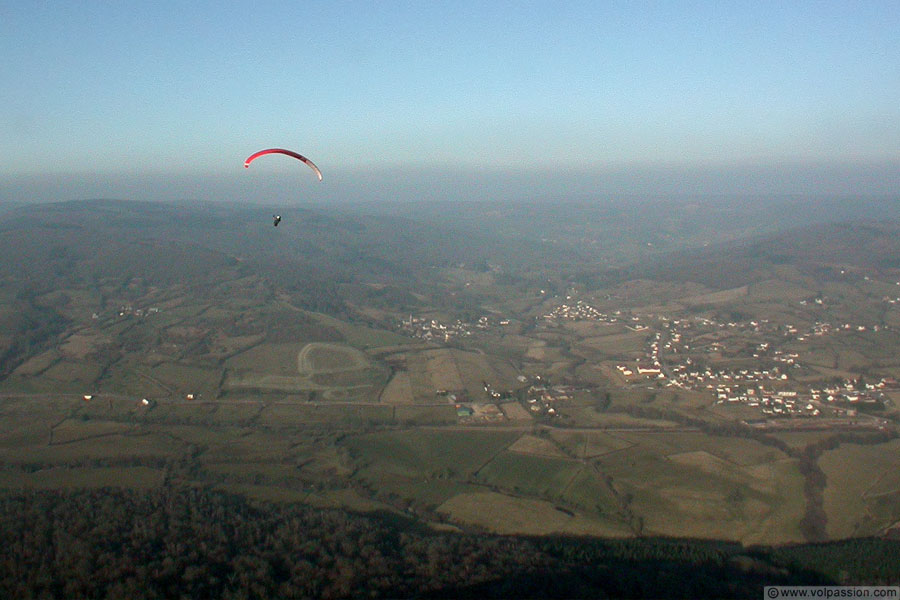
276 220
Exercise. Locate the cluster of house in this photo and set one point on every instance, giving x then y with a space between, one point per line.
753 386
772 403
434 330
541 398
835 400
127 310
579 311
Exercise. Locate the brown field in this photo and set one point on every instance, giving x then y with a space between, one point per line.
515 411
862 495
442 370
398 390
716 297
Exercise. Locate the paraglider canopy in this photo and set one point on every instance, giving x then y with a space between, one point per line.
291 153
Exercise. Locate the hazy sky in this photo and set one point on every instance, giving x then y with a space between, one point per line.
168 98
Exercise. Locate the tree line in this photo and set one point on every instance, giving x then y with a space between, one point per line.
185 542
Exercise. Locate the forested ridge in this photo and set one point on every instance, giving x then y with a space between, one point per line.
198 543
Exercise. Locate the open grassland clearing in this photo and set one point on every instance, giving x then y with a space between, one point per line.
73 430
531 475
236 411
455 371
862 493
591 493
248 445
136 379
422 454
324 414
505 514
38 364
72 375
514 411
624 346
275 359
722 297
129 446
187 379
595 329
537 446
276 474
334 372
223 346
425 415
317 357
589 444
83 477
398 390
542 351
778 290
361 336
687 484
589 416
801 439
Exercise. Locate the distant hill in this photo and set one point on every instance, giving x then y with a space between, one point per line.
720 245
110 234
821 250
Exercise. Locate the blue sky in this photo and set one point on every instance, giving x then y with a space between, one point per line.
688 96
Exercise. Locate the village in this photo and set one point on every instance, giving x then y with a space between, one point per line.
433 330
700 354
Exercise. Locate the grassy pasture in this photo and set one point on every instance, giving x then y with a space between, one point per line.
779 290
514 411
83 477
398 390
258 473
589 444
425 453
38 364
318 415
589 416
862 491
247 445
73 375
686 484
111 446
504 514
237 412
623 346
721 297
360 336
72 430
537 446
319 357
589 493
185 379
277 359
442 370
425 415
531 475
